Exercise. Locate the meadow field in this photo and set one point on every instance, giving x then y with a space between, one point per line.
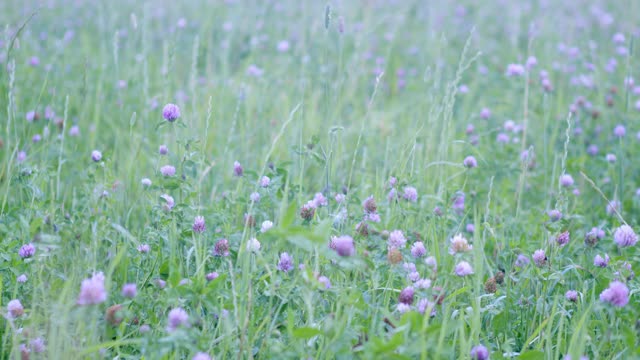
345 179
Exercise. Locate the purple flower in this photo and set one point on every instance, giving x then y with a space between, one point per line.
521 261
502 138
22 278
629 82
325 281
160 283
212 276
96 155
422 283
418 250
201 356
459 244
515 70
169 202
163 150
221 248
485 113
254 197
344 245
285 263
566 180
479 352
410 194
470 228
563 238
612 207
21 157
92 290
592 237
555 215
283 46
339 198
625 236
470 162
31 115
539 257
307 211
393 194
617 294
424 305
34 61
177 317
146 182
571 295
618 38
373 217
144 248
409 266
406 296
171 112
437 211
599 261
458 203
129 290
266 225
413 276
49 113
431 262
27 251
396 239
319 200
254 71
619 131
253 245
15 308
237 169
463 268
37 345
36 138
199 225
168 170
265 181
74 130
611 158
403 308
369 205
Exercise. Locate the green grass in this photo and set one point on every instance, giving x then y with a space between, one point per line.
334 114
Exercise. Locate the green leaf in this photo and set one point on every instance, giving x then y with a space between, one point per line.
391 345
161 124
289 216
531 355
306 332
164 269
214 284
35 224
534 335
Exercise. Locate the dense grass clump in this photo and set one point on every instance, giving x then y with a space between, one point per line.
303 179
